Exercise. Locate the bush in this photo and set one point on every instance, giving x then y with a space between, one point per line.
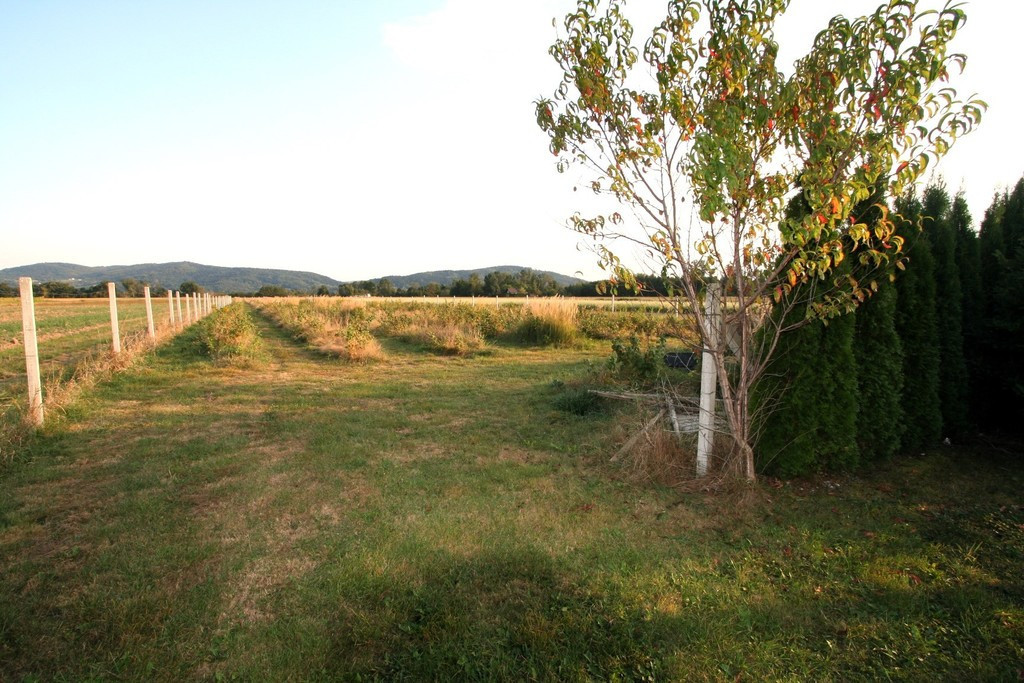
578 402
636 360
230 335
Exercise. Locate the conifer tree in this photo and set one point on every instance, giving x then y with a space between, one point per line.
879 358
788 402
1001 381
968 258
941 236
915 323
808 396
838 400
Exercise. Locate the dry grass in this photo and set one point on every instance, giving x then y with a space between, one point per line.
361 348
562 311
335 326
452 339
551 322
663 457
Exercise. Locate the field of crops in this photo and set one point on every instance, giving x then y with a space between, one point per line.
69 331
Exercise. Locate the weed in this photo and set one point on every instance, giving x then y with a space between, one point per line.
638 360
578 401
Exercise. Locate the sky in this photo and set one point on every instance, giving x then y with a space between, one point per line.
353 139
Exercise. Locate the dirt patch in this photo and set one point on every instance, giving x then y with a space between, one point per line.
258 581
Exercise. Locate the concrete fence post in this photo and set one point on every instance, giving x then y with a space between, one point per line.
115 332
150 327
708 378
170 307
29 338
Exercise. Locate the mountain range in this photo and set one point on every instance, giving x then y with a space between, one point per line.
221 279
171 275
447 277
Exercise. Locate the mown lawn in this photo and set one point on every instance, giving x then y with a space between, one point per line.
430 517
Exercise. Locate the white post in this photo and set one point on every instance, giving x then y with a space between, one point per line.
708 379
170 307
613 302
177 298
115 333
28 333
188 309
150 327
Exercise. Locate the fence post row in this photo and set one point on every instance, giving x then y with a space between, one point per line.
150 327
114 331
29 337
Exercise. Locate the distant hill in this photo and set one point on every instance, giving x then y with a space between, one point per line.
171 275
447 277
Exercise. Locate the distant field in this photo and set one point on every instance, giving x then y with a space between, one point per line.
632 303
69 330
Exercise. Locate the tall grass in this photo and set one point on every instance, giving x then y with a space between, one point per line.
338 327
550 322
342 325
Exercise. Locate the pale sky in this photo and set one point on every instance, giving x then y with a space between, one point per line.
354 139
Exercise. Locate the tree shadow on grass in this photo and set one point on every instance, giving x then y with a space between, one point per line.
523 615
514 615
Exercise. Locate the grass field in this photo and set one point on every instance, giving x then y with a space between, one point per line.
68 330
428 516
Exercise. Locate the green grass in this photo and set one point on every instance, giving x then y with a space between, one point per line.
430 517
69 331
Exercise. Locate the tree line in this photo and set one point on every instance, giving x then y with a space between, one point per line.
526 282
934 354
129 287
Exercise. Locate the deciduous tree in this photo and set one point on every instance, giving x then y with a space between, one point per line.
701 137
